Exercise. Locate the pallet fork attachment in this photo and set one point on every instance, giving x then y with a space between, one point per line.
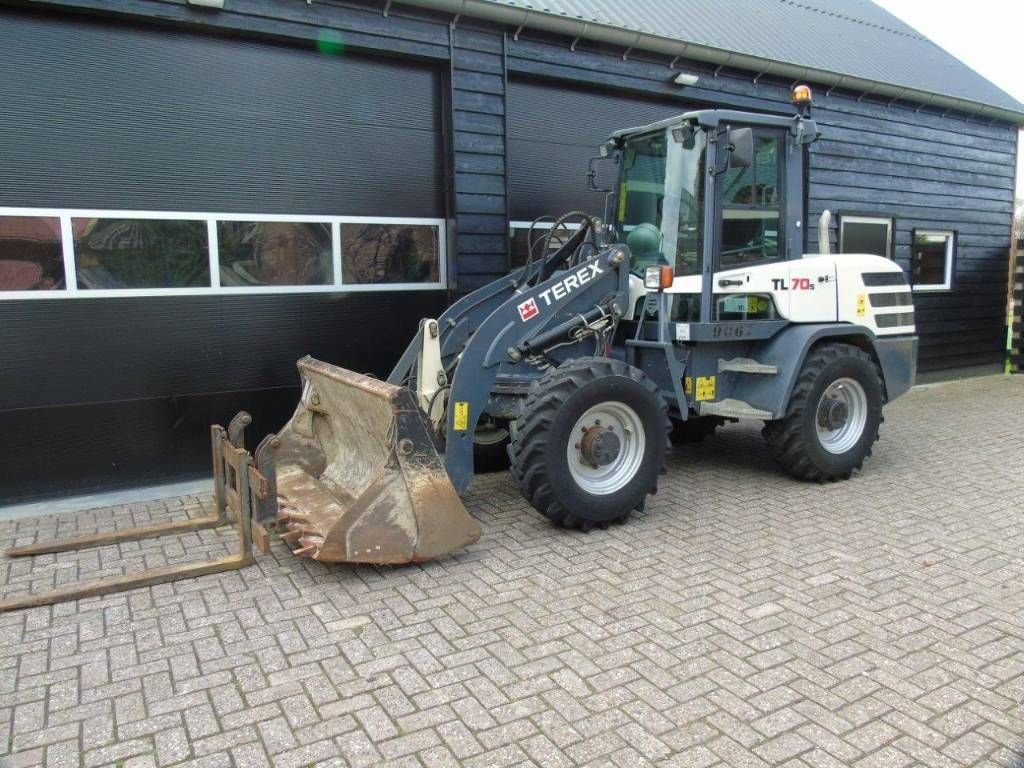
239 490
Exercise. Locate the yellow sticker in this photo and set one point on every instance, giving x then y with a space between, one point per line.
862 304
688 385
460 422
705 388
623 191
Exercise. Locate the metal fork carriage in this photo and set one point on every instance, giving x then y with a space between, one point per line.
243 495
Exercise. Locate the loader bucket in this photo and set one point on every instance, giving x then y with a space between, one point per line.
358 477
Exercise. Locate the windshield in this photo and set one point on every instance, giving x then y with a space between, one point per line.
661 201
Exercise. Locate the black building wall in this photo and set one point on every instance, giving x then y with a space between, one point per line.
407 114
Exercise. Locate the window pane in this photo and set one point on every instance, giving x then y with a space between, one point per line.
738 186
141 253
866 237
389 253
31 257
766 160
274 253
751 217
749 236
929 261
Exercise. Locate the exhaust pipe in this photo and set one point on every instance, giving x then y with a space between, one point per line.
824 227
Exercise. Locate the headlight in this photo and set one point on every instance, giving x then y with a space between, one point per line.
658 278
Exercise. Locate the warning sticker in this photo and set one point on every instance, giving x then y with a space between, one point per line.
460 419
862 304
705 388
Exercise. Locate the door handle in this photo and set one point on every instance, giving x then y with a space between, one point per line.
725 282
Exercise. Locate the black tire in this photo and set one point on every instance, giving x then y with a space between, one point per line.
490 451
694 429
794 439
541 435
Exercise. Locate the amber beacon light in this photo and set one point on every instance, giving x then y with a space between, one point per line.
802 95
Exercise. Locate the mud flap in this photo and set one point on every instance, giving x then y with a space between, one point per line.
357 476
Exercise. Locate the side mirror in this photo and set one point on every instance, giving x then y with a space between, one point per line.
741 148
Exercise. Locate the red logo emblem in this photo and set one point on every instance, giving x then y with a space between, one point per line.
528 309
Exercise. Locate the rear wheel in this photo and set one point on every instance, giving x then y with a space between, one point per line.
590 442
833 415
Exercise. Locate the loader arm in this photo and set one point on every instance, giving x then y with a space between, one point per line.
460 321
542 314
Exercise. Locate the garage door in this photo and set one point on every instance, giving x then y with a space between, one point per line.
548 174
181 218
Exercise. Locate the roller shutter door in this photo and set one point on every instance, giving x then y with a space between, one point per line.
103 115
554 130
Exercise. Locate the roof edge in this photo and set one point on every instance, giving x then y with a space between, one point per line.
573 27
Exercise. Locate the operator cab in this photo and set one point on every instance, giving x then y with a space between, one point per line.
710 191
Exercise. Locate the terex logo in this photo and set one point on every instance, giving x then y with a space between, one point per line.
529 308
796 284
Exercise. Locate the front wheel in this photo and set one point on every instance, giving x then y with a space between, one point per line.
589 442
833 415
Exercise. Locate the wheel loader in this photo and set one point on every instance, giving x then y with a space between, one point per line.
692 303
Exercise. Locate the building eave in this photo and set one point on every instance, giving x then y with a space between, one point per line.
528 18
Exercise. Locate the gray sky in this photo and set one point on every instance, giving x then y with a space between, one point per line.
985 34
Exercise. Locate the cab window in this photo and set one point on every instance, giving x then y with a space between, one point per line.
752 205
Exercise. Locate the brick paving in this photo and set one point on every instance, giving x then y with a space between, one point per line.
744 619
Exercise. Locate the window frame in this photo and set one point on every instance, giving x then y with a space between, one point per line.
947 284
71 289
869 218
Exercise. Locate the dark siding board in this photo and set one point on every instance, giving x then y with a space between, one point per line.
467 162
481 203
479 40
273 129
470 282
827 161
915 160
849 136
481 224
477 62
479 143
480 184
845 198
471 101
479 82
478 122
876 178
483 264
482 244
135 348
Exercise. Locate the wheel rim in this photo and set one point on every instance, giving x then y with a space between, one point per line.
606 448
841 415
